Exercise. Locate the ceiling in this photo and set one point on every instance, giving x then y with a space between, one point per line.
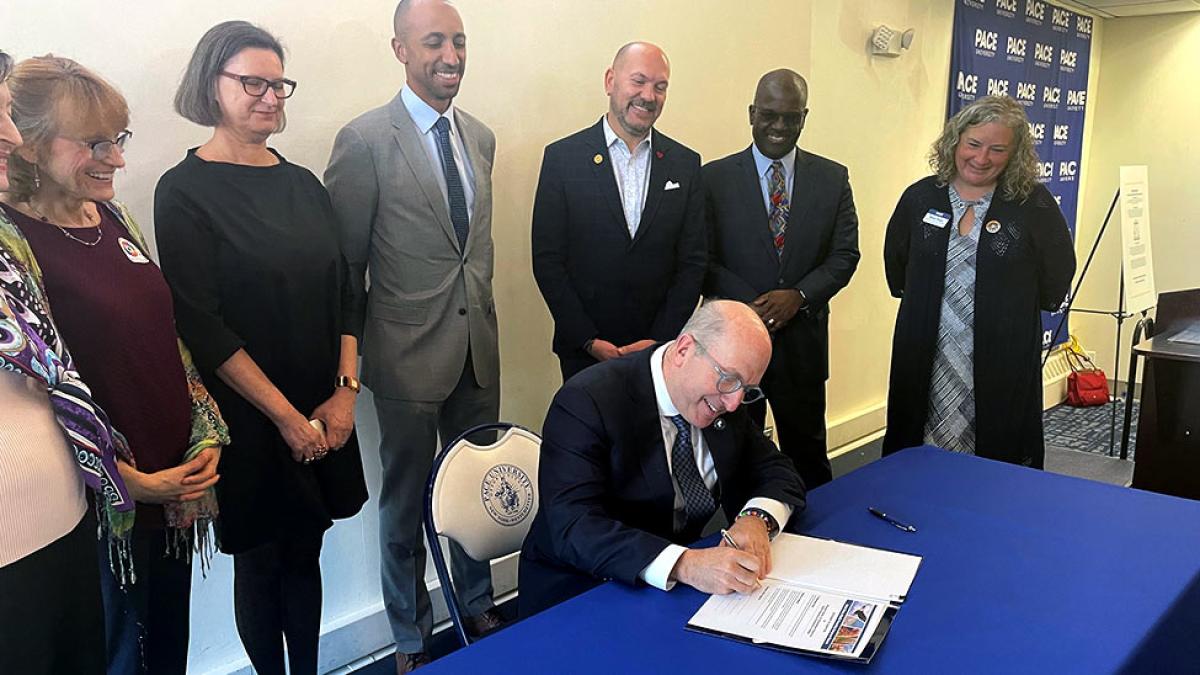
1115 9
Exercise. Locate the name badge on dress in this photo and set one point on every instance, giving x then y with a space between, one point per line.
132 252
936 218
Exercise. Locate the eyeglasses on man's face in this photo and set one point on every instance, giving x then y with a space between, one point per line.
727 382
258 86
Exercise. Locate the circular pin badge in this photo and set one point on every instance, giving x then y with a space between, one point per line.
598 158
993 226
132 252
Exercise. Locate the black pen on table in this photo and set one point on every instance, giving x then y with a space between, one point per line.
888 519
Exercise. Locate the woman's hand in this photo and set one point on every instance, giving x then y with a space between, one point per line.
183 483
306 442
338 415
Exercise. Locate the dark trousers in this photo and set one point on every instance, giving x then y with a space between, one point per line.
51 619
799 409
146 622
277 595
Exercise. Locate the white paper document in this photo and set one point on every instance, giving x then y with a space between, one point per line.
822 597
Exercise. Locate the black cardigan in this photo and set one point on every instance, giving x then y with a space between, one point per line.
1024 267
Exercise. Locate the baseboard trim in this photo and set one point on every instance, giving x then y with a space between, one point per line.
347 638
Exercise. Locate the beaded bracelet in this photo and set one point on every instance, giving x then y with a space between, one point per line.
768 520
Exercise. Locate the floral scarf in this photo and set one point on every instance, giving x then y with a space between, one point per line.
30 346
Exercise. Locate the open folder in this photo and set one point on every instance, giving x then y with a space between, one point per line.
823 598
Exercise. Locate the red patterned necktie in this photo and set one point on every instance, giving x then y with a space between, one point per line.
779 205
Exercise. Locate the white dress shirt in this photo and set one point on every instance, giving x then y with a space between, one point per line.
658 572
632 171
425 117
764 173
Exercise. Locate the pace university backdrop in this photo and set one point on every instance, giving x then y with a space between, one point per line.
1036 53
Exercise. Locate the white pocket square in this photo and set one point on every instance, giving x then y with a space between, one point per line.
671 185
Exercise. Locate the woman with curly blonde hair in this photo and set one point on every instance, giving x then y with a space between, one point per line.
974 252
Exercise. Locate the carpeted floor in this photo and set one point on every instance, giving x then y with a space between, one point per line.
1077 442
1087 429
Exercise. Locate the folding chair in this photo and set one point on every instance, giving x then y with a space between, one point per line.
482 497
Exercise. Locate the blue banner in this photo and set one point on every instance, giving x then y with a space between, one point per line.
1038 54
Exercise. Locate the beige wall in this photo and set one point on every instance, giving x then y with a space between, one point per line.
535 74
1145 113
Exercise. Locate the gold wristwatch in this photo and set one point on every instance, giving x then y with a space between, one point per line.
349 382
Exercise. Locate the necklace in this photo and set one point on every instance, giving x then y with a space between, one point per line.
66 232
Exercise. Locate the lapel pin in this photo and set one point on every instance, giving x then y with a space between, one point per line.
658 154
598 159
993 226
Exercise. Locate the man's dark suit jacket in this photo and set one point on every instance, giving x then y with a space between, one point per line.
607 498
597 281
820 251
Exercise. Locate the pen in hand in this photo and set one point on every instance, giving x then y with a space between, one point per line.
900 525
733 544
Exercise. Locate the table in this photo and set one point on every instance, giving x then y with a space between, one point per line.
1023 572
1168 440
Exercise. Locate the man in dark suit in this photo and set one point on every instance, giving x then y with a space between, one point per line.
783 237
639 454
618 223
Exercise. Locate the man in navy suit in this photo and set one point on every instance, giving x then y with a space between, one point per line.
783 237
641 452
618 223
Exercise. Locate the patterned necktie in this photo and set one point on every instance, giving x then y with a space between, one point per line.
454 186
780 206
698 502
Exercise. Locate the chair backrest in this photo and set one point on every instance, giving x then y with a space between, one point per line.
485 497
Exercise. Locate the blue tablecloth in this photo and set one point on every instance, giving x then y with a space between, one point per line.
1023 572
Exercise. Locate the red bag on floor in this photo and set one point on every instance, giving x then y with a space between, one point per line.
1087 385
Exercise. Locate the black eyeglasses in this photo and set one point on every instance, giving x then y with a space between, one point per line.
102 148
727 382
257 86
769 117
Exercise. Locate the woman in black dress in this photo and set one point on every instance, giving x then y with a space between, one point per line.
249 246
974 252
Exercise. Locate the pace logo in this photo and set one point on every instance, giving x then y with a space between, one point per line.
507 494
1067 60
1015 49
968 86
1035 11
1026 93
1058 199
1062 134
1051 97
985 42
1043 55
1083 25
997 87
1045 170
1038 131
1076 99
1067 170
1060 20
1006 8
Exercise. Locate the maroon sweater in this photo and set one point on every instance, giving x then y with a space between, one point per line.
114 311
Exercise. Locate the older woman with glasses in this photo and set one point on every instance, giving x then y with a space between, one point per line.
249 246
974 252
54 441
114 309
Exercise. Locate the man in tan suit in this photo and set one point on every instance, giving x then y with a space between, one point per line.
411 183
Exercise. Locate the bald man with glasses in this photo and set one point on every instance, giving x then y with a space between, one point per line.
644 454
